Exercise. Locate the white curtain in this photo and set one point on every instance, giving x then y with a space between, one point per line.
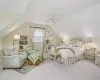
37 35
43 30
38 39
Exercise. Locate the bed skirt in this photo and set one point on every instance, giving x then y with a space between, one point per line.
72 60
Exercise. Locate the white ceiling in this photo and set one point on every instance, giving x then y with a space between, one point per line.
16 6
78 17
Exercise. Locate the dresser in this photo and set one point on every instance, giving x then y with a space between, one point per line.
90 53
1 64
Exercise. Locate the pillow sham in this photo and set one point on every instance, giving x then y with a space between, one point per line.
78 44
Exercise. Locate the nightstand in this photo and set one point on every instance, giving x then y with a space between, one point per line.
1 64
90 53
97 60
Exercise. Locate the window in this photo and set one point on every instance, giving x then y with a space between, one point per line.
37 35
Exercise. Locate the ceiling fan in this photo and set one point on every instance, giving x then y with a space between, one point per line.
53 19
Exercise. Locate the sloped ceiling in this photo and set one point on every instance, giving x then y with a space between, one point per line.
8 18
10 12
78 17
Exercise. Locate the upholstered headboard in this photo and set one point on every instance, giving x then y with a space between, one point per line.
77 42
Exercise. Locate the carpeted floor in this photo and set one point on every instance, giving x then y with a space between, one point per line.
25 68
50 70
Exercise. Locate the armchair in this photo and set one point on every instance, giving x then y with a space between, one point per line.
14 60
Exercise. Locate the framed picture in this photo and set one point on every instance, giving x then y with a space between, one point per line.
23 43
46 33
23 40
22 37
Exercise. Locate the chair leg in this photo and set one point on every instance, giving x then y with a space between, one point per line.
60 59
55 58
66 62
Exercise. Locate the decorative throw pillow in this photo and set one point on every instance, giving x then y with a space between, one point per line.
29 47
70 45
7 52
78 44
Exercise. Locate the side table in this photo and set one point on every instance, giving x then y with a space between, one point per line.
90 53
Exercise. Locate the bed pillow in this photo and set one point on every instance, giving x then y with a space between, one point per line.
78 44
70 45
7 52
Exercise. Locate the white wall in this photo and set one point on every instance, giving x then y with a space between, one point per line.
22 30
1 46
7 19
86 21
26 30
80 24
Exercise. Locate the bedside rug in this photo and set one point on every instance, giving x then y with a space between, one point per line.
25 68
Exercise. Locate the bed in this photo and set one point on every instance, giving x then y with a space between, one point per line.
73 52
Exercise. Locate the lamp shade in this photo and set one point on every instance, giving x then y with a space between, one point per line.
16 37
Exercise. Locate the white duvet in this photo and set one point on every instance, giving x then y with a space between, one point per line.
69 53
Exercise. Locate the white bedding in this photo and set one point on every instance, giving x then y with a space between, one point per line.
77 50
67 52
73 52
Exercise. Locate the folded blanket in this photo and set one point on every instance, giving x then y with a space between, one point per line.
34 57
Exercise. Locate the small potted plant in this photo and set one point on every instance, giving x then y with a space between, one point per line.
62 41
47 41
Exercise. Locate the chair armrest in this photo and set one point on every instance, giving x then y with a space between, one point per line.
8 57
11 58
22 53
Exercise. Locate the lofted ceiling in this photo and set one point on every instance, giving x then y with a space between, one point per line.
76 17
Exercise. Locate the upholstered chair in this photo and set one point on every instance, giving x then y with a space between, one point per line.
13 59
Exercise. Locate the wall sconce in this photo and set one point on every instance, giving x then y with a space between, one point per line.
65 40
16 37
89 37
